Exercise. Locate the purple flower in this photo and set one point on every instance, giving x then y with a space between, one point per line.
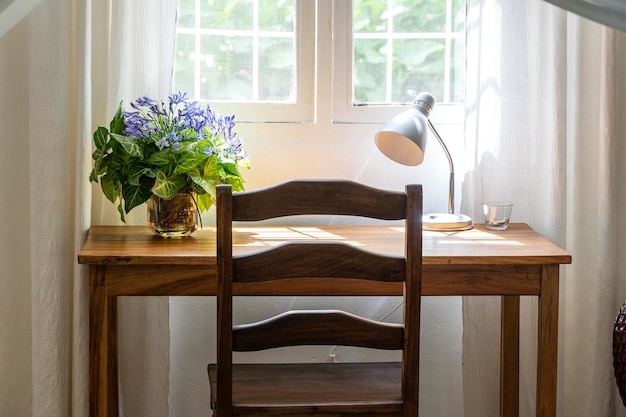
144 101
177 98
181 120
162 143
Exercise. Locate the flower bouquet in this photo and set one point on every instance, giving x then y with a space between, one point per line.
165 149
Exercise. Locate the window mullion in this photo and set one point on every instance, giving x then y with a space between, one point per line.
448 56
197 40
255 51
390 40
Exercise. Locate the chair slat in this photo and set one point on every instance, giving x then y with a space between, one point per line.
317 327
308 197
314 259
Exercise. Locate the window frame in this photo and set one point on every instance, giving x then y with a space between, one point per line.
324 92
303 109
344 111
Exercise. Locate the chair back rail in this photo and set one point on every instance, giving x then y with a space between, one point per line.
317 327
317 260
308 197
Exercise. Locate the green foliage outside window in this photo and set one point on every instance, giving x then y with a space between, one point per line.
400 47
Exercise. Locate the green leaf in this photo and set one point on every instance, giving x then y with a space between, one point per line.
160 159
121 211
205 201
130 144
117 124
187 161
100 137
229 174
211 167
110 187
138 171
93 176
236 182
135 195
207 182
230 168
167 186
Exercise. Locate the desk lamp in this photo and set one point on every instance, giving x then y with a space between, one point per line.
403 140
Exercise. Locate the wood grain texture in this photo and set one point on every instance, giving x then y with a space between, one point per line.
136 245
332 260
177 279
103 392
509 356
347 198
316 388
129 260
317 327
547 353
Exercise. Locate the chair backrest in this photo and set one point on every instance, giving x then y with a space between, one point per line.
319 259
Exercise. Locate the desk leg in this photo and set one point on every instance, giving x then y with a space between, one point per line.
103 396
509 357
547 352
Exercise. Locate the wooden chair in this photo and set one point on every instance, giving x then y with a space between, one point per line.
619 352
326 389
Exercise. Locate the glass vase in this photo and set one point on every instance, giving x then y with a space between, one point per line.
177 217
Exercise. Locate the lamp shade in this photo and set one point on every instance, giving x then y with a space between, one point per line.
403 138
610 13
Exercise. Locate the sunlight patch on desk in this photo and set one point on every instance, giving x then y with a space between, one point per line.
472 237
273 236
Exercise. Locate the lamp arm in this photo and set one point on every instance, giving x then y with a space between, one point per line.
445 150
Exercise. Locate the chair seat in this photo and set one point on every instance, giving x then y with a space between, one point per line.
320 387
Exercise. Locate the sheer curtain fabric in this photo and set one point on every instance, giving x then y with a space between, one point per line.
65 67
544 130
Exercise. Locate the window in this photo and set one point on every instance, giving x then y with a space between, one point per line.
309 61
253 57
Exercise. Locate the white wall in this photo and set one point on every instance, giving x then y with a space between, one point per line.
342 151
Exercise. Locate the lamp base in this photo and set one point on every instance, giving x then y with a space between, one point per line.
446 222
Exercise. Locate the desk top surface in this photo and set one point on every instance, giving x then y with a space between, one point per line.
136 245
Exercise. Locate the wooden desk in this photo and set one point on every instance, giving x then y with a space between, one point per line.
518 261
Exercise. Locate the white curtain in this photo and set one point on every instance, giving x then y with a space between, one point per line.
134 58
63 70
545 130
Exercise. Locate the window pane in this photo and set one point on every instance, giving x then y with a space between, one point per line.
369 16
457 76
226 68
276 68
370 71
276 16
186 14
414 16
237 50
184 70
226 14
402 47
458 15
417 66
